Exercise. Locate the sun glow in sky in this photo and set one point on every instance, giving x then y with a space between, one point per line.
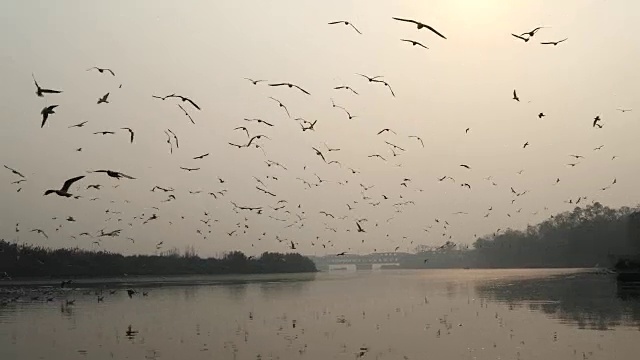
204 50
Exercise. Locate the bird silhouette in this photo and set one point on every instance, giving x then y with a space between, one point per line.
130 133
79 125
255 82
103 99
417 138
532 32
46 111
291 86
414 43
346 23
64 190
201 156
420 26
41 91
14 171
554 43
102 70
346 88
113 174
281 105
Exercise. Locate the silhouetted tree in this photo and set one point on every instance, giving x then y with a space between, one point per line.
31 261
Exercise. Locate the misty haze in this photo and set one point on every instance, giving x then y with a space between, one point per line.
244 179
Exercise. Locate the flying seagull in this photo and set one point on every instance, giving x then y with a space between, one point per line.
319 154
414 43
465 166
102 70
515 96
260 121
201 156
554 43
255 82
79 125
417 138
184 98
421 25
46 111
64 191
281 105
16 172
532 32
41 91
130 132
103 133
345 23
114 174
371 79
346 88
386 129
290 85
103 99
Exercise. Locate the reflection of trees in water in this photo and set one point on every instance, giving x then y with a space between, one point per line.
585 300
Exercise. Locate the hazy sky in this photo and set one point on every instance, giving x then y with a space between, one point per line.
204 49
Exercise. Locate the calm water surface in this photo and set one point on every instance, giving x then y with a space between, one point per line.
431 314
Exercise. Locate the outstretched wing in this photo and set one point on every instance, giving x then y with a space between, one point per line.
406 20
67 184
303 90
435 31
126 176
192 103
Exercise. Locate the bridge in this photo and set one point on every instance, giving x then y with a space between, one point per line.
359 262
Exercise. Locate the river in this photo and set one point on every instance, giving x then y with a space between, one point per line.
389 314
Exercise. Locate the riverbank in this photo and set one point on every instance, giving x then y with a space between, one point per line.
24 261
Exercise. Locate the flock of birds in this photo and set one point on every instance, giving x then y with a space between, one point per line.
255 131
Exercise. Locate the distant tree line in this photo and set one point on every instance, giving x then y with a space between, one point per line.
32 261
583 237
